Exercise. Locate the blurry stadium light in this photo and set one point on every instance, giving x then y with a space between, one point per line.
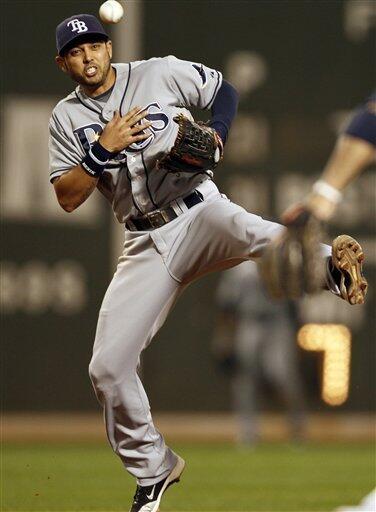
334 340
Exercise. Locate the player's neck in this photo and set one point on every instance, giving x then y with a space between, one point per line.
101 89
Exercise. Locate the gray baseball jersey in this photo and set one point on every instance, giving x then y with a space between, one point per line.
132 183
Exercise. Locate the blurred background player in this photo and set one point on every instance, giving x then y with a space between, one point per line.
290 260
352 154
254 343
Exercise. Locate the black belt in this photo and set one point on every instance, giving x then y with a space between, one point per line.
162 216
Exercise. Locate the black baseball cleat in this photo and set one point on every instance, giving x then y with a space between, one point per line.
346 269
147 499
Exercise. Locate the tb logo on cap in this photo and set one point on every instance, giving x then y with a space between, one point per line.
78 26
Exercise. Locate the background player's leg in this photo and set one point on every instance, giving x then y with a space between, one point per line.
135 305
281 368
245 384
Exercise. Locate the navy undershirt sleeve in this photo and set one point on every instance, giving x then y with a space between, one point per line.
224 109
363 124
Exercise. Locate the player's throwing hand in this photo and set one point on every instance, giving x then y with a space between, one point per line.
121 132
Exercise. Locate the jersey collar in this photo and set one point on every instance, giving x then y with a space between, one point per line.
116 98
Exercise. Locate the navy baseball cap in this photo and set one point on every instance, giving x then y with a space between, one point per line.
75 27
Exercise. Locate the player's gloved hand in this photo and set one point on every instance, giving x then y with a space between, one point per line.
121 132
197 148
292 264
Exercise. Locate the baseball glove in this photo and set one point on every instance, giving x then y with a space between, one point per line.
197 148
292 265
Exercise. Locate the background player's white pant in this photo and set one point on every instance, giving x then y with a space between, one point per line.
152 271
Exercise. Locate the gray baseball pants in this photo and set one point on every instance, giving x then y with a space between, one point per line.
153 270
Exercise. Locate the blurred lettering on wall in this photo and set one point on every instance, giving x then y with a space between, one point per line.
26 193
36 287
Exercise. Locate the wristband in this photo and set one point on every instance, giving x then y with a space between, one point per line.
322 188
96 159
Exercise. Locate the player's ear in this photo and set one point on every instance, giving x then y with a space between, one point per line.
109 48
60 61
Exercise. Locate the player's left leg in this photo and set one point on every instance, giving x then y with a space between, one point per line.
222 234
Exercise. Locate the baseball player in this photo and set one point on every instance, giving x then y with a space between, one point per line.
352 154
126 130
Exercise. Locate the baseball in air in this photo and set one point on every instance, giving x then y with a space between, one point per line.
111 11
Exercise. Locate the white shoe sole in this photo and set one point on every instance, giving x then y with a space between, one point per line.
172 478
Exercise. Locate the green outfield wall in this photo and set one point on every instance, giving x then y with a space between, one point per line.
301 67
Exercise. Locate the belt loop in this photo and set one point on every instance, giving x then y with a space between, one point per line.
176 207
130 226
183 207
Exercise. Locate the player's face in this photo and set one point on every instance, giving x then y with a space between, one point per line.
88 63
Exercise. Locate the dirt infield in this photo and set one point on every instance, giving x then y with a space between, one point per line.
19 427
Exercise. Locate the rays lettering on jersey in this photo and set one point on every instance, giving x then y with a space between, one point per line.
160 122
89 134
